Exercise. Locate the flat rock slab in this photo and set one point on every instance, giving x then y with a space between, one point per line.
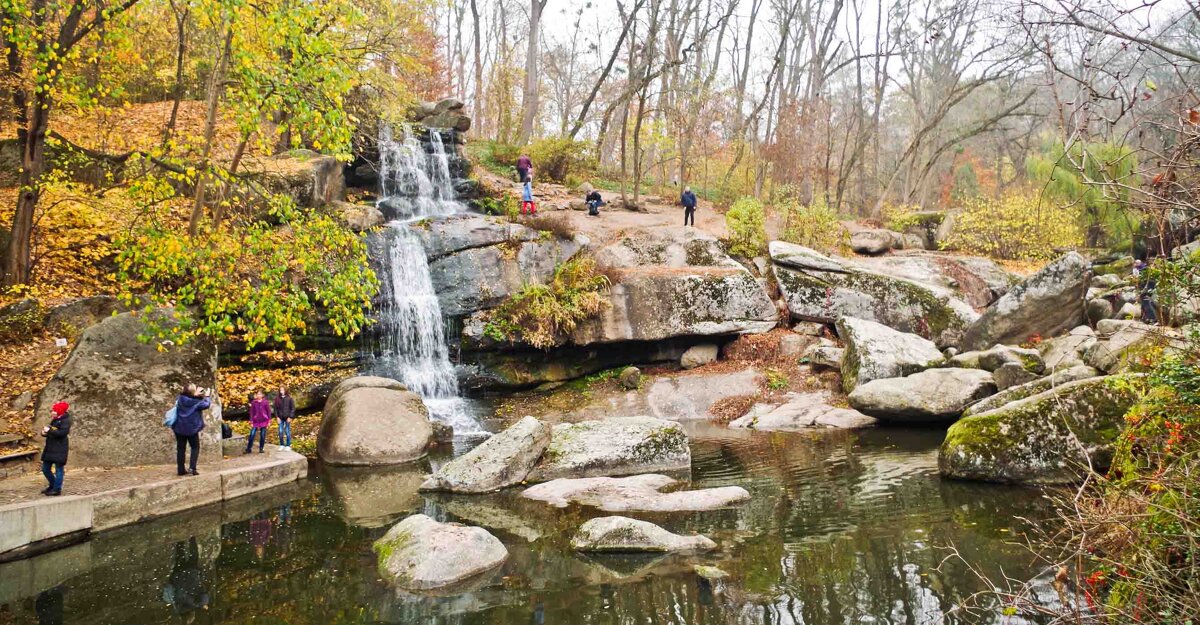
801 412
617 446
618 534
874 351
419 553
692 396
638 493
503 460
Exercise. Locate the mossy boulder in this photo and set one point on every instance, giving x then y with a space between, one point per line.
617 446
503 460
1029 389
618 534
1048 303
1130 345
419 553
874 351
1049 438
820 288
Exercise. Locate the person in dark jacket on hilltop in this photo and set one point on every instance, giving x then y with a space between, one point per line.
189 420
285 410
524 164
688 199
54 456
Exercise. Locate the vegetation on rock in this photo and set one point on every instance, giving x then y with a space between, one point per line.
542 315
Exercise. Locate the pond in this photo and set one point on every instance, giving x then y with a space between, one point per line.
844 527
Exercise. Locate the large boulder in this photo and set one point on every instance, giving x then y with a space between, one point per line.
875 241
119 387
1129 344
637 493
419 553
624 535
442 236
1029 389
926 396
977 281
617 446
373 421
821 288
874 351
74 316
1066 351
503 460
998 356
311 179
803 411
447 114
1049 438
1048 303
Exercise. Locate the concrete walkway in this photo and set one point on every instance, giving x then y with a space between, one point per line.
98 500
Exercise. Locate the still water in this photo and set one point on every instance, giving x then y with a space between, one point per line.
843 528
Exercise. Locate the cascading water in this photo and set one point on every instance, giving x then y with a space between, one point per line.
411 335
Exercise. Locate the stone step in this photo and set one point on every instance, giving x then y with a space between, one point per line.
6 439
21 455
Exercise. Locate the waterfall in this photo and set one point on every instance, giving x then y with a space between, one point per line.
411 336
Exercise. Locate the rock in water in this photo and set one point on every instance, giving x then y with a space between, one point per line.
419 553
503 460
1029 389
119 388
1048 303
698 356
373 421
637 493
927 396
617 446
874 351
804 411
1049 438
624 535
820 288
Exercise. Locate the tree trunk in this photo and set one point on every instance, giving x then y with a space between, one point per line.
181 15
477 102
529 101
210 128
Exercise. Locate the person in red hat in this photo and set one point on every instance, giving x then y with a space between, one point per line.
54 456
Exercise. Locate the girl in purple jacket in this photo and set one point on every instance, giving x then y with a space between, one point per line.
260 418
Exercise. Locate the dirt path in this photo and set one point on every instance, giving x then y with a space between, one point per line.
555 199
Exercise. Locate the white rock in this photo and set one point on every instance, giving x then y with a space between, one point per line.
616 446
698 356
637 493
419 553
503 460
932 395
803 411
622 534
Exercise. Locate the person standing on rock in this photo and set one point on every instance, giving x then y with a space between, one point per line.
527 202
285 410
688 199
260 418
189 420
54 456
524 167
1146 284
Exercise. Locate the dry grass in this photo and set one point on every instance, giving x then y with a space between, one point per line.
557 225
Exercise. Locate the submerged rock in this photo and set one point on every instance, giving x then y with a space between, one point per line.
820 288
1030 389
503 460
621 534
419 553
617 446
1048 303
373 421
874 351
931 395
710 573
638 493
1049 438
803 411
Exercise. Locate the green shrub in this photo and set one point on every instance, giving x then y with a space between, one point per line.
1019 226
559 158
505 205
542 314
747 228
816 225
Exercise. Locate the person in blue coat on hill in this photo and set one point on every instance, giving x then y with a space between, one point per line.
189 420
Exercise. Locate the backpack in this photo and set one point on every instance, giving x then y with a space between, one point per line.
169 417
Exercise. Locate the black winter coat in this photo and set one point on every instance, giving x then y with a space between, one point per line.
57 445
285 407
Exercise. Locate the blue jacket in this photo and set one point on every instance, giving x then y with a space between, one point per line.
688 199
189 417
527 192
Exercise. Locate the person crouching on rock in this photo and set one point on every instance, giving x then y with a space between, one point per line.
285 410
54 456
594 202
189 420
260 418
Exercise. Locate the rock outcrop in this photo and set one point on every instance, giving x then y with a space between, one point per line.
617 446
977 281
637 493
874 351
419 553
998 356
927 396
1066 351
1029 389
444 114
618 534
800 412
119 388
1049 438
311 179
503 460
820 288
1048 303
1124 344
373 421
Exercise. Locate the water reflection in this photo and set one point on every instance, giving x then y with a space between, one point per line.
842 528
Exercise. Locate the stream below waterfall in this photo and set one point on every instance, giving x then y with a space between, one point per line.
843 528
